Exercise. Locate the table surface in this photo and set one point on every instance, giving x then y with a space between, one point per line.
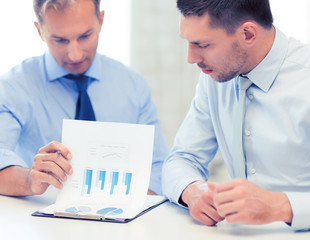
168 221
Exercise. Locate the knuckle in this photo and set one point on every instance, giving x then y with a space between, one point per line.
41 150
36 158
220 210
56 156
54 144
240 181
216 198
194 211
241 192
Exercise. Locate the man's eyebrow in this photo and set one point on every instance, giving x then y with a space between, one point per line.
85 33
199 42
196 42
57 37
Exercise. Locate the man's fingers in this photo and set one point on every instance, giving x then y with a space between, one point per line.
227 186
51 162
56 147
208 217
39 181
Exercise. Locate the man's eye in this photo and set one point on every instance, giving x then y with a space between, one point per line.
84 36
60 40
204 46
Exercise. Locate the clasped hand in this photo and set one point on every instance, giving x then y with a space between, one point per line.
237 201
50 167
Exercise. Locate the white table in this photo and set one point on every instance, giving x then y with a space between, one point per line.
167 221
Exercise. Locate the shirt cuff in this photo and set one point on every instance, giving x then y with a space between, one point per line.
301 212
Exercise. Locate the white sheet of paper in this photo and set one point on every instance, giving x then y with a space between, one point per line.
150 201
111 168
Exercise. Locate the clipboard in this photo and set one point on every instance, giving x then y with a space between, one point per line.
151 203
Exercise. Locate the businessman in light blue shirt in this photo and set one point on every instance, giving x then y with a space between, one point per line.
227 39
35 98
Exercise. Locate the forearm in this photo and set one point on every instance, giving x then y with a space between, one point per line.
14 181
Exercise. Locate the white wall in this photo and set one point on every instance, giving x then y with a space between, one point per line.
292 17
159 53
20 40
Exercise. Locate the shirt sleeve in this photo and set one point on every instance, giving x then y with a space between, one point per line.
148 115
301 212
10 131
194 147
14 109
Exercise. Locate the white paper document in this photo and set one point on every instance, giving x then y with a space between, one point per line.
111 169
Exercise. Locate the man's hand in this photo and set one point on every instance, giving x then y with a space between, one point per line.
200 203
50 167
241 201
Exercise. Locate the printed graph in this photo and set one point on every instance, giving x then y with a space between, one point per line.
104 182
108 153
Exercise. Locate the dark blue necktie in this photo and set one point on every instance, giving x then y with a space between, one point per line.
84 109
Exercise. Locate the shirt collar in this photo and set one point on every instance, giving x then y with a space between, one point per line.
54 71
265 73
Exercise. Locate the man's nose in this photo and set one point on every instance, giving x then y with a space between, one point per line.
75 53
193 55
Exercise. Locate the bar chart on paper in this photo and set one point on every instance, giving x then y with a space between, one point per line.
109 183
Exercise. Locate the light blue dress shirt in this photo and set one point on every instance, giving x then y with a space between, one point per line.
35 98
276 129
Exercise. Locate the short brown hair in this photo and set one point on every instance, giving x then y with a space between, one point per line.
40 6
229 14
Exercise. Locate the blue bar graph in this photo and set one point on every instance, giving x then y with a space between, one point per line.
104 182
128 182
114 181
87 181
102 178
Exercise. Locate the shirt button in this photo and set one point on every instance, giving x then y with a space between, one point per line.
251 97
247 133
253 171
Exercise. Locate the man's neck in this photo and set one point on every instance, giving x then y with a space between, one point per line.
264 44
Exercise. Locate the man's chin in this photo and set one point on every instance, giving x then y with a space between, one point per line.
76 70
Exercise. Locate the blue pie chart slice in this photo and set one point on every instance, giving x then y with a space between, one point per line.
110 211
78 209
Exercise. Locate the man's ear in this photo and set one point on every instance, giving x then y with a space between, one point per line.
37 25
101 18
249 31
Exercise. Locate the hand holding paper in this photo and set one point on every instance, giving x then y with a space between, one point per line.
111 169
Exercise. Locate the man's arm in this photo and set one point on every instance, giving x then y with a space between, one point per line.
14 181
50 167
194 147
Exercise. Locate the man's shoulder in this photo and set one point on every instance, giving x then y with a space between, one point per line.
298 53
108 61
28 67
115 68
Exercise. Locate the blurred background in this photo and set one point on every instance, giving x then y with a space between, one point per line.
144 35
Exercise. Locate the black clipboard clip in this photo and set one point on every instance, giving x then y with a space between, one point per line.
79 215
